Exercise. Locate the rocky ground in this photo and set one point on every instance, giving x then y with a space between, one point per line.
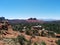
8 39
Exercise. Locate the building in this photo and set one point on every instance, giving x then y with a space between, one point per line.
36 27
57 35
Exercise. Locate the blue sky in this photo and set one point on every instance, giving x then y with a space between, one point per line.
23 9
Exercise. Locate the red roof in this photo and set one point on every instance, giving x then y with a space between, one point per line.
57 34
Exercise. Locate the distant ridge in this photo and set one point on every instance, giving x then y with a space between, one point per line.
30 20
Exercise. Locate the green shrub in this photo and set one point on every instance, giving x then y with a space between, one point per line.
22 40
58 42
43 43
35 43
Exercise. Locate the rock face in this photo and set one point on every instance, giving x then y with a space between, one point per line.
6 41
7 35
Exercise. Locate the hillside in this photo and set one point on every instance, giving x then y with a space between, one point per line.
29 32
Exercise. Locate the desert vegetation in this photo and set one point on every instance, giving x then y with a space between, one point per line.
48 26
32 33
